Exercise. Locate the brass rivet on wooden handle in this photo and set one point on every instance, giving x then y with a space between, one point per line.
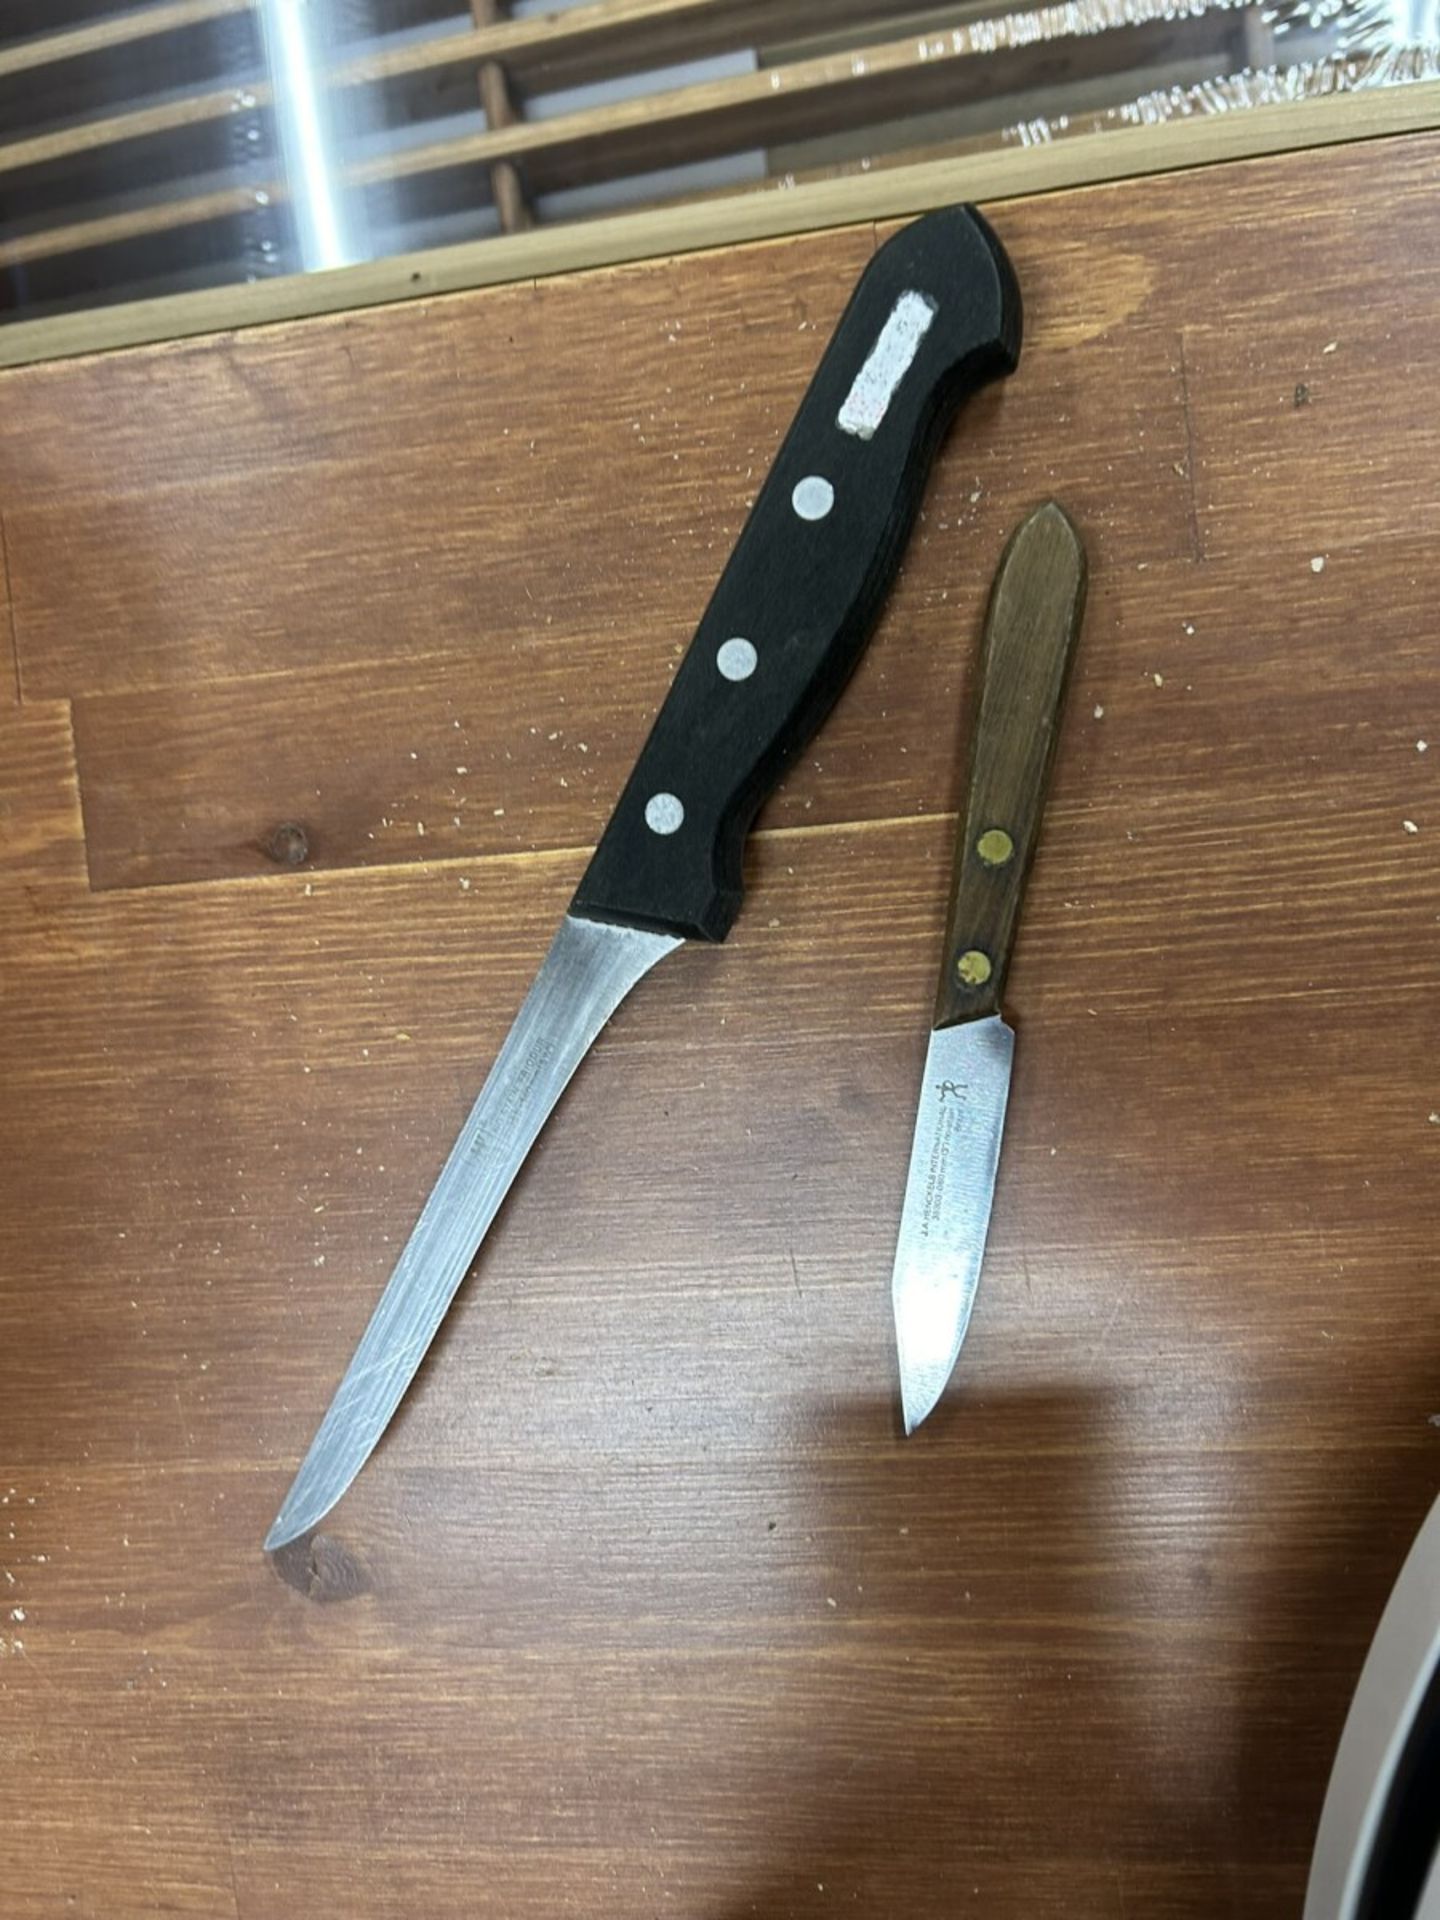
995 847
973 968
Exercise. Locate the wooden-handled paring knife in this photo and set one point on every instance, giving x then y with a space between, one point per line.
1034 617
935 315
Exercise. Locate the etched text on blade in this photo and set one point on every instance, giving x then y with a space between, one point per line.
589 969
958 1126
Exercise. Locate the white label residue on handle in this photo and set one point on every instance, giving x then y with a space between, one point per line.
886 365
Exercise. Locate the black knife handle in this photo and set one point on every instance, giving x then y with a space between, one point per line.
1033 622
935 315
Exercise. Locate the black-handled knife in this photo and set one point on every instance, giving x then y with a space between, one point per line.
935 315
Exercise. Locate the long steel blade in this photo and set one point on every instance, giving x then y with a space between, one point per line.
947 1203
589 969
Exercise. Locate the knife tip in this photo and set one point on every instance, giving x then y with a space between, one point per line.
1050 530
280 1535
291 1523
916 1406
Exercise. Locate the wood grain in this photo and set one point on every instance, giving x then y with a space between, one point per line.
9 659
643 1606
301 438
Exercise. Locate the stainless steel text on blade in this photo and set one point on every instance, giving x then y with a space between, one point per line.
589 969
947 1203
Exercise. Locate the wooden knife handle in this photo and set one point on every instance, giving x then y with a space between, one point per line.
935 315
1036 606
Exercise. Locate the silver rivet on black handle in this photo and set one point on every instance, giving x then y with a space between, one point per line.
935 315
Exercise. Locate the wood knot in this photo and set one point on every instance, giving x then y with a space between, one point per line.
321 1569
288 845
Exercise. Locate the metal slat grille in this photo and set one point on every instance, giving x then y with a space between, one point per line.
203 142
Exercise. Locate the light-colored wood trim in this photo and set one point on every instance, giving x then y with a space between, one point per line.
116 30
1006 173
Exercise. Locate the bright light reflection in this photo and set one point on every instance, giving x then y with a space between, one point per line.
309 161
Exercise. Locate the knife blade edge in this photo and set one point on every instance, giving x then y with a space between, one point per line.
589 969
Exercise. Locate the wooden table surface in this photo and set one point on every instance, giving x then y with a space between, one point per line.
644 1607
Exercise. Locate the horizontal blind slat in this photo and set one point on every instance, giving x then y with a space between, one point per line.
115 30
769 103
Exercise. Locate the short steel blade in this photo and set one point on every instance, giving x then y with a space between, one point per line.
589 969
948 1193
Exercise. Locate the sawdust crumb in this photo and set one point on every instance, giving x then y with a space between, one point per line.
1409 826
1158 678
1317 564
1099 711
